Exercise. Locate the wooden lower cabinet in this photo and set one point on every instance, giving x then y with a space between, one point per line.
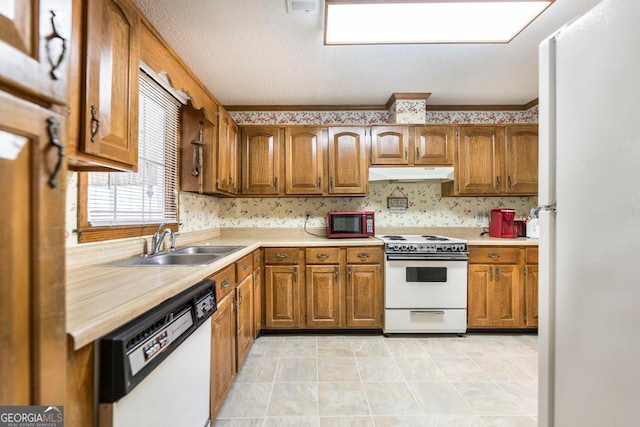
341 288
257 292
323 296
244 302
531 288
364 296
223 352
282 296
502 289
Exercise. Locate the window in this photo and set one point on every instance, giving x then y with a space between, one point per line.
122 202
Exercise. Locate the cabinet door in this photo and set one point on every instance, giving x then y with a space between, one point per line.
389 145
480 295
110 110
531 296
223 352
197 153
260 160
508 310
323 296
364 296
282 296
32 288
34 47
244 298
348 170
304 154
227 180
257 293
480 155
521 160
434 145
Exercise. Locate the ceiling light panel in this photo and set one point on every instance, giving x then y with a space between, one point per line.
453 21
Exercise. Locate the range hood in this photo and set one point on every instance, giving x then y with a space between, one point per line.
411 174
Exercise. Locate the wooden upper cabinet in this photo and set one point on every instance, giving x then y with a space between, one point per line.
480 156
348 173
198 157
389 145
434 145
521 160
32 274
109 117
34 47
227 181
304 153
260 160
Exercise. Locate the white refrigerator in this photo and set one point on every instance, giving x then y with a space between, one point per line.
589 193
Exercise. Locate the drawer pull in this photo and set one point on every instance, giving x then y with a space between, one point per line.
493 255
281 256
363 255
225 283
257 259
427 312
245 267
322 256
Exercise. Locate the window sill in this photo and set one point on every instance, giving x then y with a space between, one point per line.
97 234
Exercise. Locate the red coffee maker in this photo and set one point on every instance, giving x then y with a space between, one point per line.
502 224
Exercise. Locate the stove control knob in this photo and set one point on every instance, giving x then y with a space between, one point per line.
396 247
413 247
403 247
445 248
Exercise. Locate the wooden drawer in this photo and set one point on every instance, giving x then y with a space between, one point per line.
257 258
364 255
225 281
244 267
323 255
281 255
532 255
494 255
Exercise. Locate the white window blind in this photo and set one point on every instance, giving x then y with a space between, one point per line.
149 196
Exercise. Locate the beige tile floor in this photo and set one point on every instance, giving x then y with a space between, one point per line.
347 380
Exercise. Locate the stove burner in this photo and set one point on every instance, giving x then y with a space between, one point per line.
435 238
394 237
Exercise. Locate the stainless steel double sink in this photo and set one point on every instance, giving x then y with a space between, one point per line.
189 255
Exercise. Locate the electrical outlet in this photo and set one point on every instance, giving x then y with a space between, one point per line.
480 215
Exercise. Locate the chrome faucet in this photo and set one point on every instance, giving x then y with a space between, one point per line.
158 238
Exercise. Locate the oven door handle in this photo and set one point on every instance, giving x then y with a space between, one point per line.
391 257
427 312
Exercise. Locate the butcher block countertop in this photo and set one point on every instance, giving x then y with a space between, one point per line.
101 298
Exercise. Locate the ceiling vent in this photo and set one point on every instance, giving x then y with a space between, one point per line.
309 6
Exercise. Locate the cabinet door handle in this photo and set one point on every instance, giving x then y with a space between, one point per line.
497 181
95 123
225 283
490 273
336 272
275 182
322 256
494 255
281 256
53 129
239 297
350 272
497 271
55 64
295 274
417 152
319 182
331 182
245 267
406 154
509 181
363 255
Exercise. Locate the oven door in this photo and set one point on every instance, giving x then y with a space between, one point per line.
425 283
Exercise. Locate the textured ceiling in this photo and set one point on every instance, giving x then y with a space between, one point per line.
252 52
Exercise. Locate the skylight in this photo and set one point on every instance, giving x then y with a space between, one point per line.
428 21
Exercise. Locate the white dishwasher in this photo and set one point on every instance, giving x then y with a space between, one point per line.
155 370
